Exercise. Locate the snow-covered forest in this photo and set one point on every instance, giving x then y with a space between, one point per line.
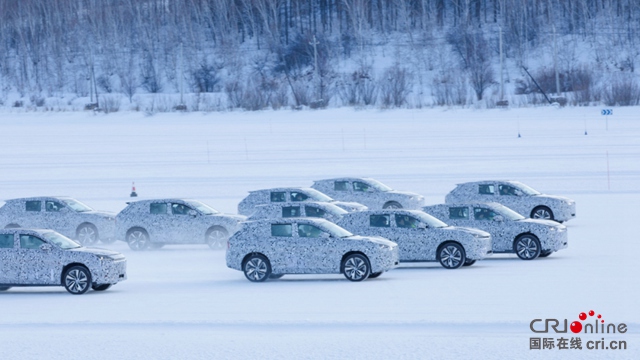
256 54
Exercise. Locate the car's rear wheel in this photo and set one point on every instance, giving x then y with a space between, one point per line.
138 239
217 237
375 275
469 262
451 256
542 212
77 280
527 247
356 267
87 234
5 288
102 287
392 205
256 268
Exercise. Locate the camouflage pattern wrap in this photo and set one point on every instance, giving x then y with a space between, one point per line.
291 194
307 255
514 195
56 214
38 267
504 230
175 221
421 239
369 192
314 209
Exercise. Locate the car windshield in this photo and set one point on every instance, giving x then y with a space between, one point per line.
335 210
76 205
203 208
336 230
60 241
318 196
508 213
429 220
378 185
526 189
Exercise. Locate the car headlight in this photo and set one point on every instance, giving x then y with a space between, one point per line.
385 247
552 228
104 258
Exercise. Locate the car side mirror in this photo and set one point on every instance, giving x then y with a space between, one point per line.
325 235
498 218
45 247
192 213
422 226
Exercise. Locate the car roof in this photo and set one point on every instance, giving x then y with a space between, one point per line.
317 221
41 198
160 200
285 189
486 181
386 211
347 179
493 205
40 231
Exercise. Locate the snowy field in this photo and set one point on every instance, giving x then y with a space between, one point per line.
183 303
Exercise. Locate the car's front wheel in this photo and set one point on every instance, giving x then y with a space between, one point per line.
217 237
356 267
87 234
527 247
138 239
77 280
5 288
542 212
257 268
392 205
451 256
102 287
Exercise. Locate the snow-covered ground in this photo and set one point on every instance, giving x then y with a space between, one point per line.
182 302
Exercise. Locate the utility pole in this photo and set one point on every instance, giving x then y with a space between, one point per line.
555 61
181 74
501 71
315 57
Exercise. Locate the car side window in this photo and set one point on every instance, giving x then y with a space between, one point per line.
281 230
290 211
313 211
298 196
406 221
53 206
180 209
360 186
486 189
379 220
459 213
34 205
341 186
309 231
507 190
278 196
30 242
6 241
158 208
483 214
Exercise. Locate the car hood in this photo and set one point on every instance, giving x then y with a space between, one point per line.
540 222
105 214
467 230
373 239
554 197
98 251
403 193
235 217
348 205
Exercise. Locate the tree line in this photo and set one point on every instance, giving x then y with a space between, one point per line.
260 53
